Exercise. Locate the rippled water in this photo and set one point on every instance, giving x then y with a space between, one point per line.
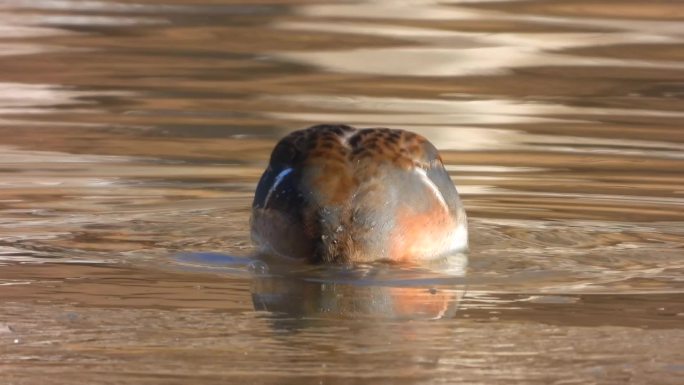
133 135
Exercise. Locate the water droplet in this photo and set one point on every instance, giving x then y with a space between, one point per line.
258 267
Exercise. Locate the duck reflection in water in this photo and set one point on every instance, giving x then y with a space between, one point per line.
333 194
376 292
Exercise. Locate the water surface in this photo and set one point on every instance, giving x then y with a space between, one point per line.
133 135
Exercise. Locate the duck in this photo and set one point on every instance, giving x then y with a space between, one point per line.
335 194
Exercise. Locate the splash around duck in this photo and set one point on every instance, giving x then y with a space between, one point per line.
341 195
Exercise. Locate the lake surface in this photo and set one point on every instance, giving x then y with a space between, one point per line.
133 134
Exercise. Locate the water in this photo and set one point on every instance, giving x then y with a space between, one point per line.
133 135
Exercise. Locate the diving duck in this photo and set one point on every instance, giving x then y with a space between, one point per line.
337 194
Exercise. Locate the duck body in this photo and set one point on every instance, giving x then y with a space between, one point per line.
336 194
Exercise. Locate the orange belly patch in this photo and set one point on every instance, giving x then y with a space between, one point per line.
420 235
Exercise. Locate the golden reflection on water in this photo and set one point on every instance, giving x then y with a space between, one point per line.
134 133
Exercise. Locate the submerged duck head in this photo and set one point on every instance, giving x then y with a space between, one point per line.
336 194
